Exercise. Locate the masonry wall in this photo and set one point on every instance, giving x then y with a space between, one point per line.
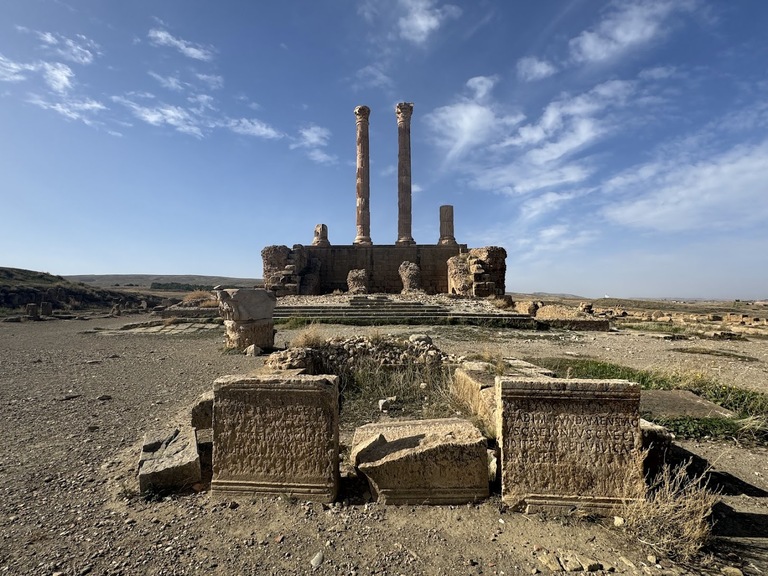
382 263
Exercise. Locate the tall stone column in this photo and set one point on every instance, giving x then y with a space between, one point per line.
404 110
363 185
446 226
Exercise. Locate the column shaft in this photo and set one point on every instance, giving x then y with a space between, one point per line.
363 180
404 110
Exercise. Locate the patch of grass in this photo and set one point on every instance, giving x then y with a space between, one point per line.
591 368
688 427
293 323
663 327
674 518
717 353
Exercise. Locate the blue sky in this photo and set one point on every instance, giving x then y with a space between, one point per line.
613 148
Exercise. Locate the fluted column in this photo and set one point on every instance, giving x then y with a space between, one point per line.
404 110
446 226
363 185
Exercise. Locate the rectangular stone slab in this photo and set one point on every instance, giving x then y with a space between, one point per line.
568 443
276 434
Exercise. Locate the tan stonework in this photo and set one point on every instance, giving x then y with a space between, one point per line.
321 236
276 434
440 461
568 443
446 226
248 317
404 110
363 178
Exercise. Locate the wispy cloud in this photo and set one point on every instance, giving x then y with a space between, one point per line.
12 71
160 37
71 108
531 68
178 118
314 139
469 122
253 127
422 18
213 81
80 50
169 82
372 76
625 26
58 76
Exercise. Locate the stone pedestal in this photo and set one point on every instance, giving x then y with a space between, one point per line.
276 434
363 179
248 317
321 236
404 110
569 443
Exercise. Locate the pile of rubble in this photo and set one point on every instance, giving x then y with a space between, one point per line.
337 354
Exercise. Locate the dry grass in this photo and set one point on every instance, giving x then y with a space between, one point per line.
200 298
309 337
674 517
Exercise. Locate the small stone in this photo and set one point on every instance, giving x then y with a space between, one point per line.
386 403
233 505
317 559
104 397
731 571
253 350
651 558
618 521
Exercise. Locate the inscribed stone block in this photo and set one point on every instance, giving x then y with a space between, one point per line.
569 443
169 460
441 461
276 434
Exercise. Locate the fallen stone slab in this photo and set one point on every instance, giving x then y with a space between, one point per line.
276 434
169 460
202 411
679 403
442 461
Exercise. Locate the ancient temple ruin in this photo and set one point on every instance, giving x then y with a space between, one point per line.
443 267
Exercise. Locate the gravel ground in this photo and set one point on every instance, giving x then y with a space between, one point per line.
76 404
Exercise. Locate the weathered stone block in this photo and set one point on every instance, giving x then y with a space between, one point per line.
202 411
475 385
246 304
569 443
169 460
240 335
276 434
440 461
46 309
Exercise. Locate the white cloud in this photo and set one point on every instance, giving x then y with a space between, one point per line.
72 108
11 71
627 25
482 86
160 37
372 76
722 191
544 203
314 139
416 188
422 18
58 76
163 114
253 127
214 81
169 82
531 68
657 73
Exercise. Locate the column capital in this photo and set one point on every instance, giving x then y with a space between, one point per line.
362 113
404 110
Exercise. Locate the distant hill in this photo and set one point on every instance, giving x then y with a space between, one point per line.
19 287
170 280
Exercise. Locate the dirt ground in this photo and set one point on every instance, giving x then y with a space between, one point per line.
76 403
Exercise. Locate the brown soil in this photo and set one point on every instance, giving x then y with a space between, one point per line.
77 402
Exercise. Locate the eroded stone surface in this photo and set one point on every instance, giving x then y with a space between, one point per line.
568 443
169 460
245 304
441 461
276 434
410 275
357 281
201 415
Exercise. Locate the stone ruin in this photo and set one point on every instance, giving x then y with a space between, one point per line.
322 268
248 317
553 445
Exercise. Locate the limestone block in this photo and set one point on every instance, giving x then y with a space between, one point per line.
240 335
33 310
357 281
276 434
169 460
569 443
410 275
246 304
46 309
441 461
474 384
202 411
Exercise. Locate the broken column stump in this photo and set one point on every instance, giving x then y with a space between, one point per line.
442 461
248 317
569 443
276 434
